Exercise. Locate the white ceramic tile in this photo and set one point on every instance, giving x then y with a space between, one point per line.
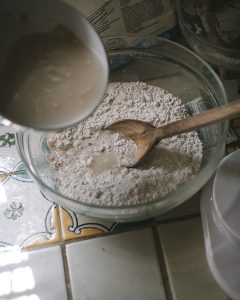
189 275
116 267
35 275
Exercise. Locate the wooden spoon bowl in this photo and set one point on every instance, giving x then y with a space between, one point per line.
145 135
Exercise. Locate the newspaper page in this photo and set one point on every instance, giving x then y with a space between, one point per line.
114 17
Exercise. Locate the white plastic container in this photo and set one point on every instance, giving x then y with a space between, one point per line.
220 209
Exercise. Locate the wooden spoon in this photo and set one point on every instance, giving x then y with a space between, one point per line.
145 135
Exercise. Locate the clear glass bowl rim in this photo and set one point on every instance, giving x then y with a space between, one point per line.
150 209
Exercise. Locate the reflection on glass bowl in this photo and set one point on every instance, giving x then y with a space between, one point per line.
159 62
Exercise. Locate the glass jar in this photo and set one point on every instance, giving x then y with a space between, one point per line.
211 27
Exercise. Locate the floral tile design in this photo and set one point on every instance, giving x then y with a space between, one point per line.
78 226
27 218
7 140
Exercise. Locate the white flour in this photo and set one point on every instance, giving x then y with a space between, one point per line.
78 153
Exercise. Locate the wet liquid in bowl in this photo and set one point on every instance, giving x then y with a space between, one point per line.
88 164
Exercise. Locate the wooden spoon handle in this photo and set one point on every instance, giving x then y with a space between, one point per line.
210 116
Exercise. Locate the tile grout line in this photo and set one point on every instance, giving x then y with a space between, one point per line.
66 272
151 224
162 263
60 224
160 252
62 241
110 233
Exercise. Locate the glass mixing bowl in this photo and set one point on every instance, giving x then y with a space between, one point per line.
159 62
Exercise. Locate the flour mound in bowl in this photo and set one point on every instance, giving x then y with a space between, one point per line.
88 163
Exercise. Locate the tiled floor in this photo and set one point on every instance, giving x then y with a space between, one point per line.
69 256
139 264
183 247
32 275
121 266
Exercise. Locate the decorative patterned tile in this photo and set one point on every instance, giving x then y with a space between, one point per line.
78 226
32 275
26 216
189 275
120 266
